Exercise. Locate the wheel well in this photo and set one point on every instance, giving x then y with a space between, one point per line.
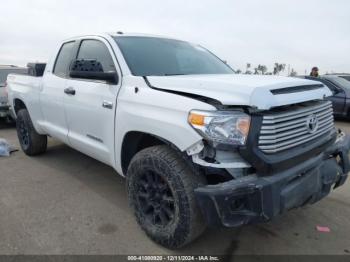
136 141
18 105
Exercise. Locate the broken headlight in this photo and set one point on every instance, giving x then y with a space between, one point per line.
222 127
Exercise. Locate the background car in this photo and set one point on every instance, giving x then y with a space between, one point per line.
4 71
340 88
345 76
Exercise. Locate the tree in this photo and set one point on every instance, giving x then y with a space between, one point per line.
262 69
293 73
238 71
278 68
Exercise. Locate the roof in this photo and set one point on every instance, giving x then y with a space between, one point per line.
330 76
338 74
321 76
121 34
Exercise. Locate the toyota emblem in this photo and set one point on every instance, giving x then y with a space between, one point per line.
312 123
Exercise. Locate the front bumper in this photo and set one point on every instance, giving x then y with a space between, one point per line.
256 198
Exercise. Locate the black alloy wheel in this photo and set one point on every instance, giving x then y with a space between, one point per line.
156 199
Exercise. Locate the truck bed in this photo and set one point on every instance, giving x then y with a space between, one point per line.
25 87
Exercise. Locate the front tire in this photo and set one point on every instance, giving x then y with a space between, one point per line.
161 187
31 142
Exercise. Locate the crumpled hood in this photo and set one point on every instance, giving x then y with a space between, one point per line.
237 89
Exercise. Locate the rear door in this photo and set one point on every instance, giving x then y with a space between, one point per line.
52 93
91 110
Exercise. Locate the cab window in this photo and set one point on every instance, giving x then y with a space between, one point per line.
96 50
64 59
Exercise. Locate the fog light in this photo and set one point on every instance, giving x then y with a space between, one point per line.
238 204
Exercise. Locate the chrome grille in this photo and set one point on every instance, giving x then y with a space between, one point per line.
288 127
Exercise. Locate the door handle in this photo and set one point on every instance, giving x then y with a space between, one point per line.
107 104
70 91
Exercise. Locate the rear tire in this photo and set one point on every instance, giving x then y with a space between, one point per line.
160 186
31 142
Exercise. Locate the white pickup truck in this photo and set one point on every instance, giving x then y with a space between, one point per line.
198 144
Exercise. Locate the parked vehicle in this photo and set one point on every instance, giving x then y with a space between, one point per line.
197 144
340 88
4 71
345 76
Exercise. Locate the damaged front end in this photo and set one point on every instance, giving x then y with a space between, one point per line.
258 197
271 160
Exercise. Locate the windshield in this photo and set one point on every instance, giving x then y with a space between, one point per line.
151 56
340 82
346 77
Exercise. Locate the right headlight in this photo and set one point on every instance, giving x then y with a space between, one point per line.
223 127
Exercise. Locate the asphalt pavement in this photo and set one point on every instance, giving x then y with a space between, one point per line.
64 202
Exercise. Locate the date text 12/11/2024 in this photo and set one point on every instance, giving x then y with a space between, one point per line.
173 258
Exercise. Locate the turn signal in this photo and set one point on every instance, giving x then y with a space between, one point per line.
196 119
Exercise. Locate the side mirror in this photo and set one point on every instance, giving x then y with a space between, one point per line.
91 69
336 91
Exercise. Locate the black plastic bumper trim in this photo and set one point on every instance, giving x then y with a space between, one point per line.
256 198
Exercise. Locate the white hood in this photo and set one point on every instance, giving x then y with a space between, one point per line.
248 90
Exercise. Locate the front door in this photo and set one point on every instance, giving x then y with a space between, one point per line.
90 106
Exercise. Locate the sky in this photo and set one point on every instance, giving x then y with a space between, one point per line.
299 33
